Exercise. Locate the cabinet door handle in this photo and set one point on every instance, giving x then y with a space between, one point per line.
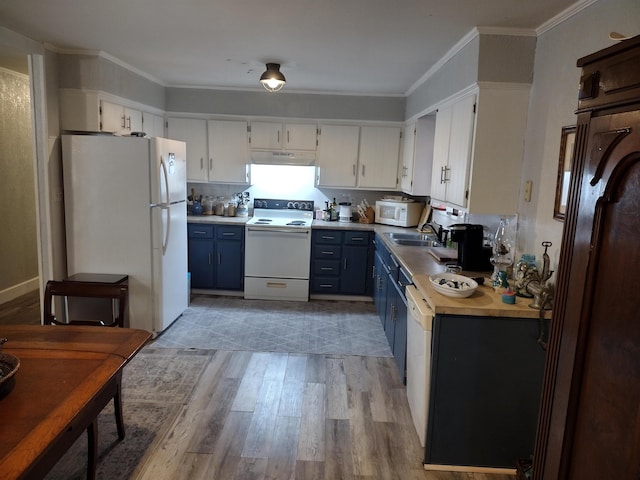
354 169
447 177
129 123
329 269
278 141
219 258
325 285
123 123
363 170
201 163
327 253
288 140
210 164
345 264
209 258
441 175
393 313
228 234
198 232
328 237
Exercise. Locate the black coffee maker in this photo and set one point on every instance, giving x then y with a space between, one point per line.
472 254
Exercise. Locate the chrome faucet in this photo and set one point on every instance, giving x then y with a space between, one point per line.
538 287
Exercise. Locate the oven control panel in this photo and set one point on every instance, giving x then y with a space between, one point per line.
275 204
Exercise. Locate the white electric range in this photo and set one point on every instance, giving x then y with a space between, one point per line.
278 250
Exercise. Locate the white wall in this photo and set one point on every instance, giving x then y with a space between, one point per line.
554 98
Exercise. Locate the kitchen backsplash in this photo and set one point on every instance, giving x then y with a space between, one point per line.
289 182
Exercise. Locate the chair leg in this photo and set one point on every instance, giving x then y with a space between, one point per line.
92 453
117 406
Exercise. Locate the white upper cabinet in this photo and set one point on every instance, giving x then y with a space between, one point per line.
287 136
118 119
337 162
417 156
352 156
478 150
408 157
452 151
229 151
152 124
193 131
378 157
94 111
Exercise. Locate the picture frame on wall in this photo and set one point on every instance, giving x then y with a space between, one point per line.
567 142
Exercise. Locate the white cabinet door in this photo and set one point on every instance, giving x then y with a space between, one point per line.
118 119
460 148
152 125
277 136
418 173
300 136
266 135
337 160
441 153
132 120
378 157
112 118
229 151
453 144
408 157
193 131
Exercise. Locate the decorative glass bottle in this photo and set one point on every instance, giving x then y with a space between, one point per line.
525 270
503 250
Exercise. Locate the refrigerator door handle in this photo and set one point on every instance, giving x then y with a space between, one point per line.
165 206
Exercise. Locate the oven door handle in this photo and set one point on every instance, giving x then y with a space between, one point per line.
278 230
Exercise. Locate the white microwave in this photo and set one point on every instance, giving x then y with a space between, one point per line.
399 213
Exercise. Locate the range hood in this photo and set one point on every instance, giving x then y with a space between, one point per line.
283 157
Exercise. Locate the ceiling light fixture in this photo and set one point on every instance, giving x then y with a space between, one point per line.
272 79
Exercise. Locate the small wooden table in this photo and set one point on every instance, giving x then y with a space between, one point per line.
67 375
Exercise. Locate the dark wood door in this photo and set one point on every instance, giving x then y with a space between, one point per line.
606 436
593 397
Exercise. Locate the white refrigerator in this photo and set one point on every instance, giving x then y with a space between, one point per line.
125 213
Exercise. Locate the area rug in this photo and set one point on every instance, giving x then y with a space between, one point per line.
155 386
317 326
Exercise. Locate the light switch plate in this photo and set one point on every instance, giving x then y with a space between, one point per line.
528 185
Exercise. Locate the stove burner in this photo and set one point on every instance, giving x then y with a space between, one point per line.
297 222
262 222
265 220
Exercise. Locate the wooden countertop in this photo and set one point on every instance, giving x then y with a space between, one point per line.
484 302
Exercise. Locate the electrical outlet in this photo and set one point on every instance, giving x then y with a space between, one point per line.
528 185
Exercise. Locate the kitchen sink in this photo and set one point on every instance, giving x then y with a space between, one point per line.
414 239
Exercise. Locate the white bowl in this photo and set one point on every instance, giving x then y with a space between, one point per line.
452 285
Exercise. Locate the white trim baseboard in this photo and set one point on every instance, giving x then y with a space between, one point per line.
15 291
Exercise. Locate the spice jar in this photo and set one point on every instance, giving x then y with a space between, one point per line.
231 209
220 206
208 205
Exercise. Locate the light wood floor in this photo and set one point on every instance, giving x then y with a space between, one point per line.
256 415
294 416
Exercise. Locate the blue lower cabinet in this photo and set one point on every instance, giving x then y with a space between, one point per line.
390 301
216 256
341 262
